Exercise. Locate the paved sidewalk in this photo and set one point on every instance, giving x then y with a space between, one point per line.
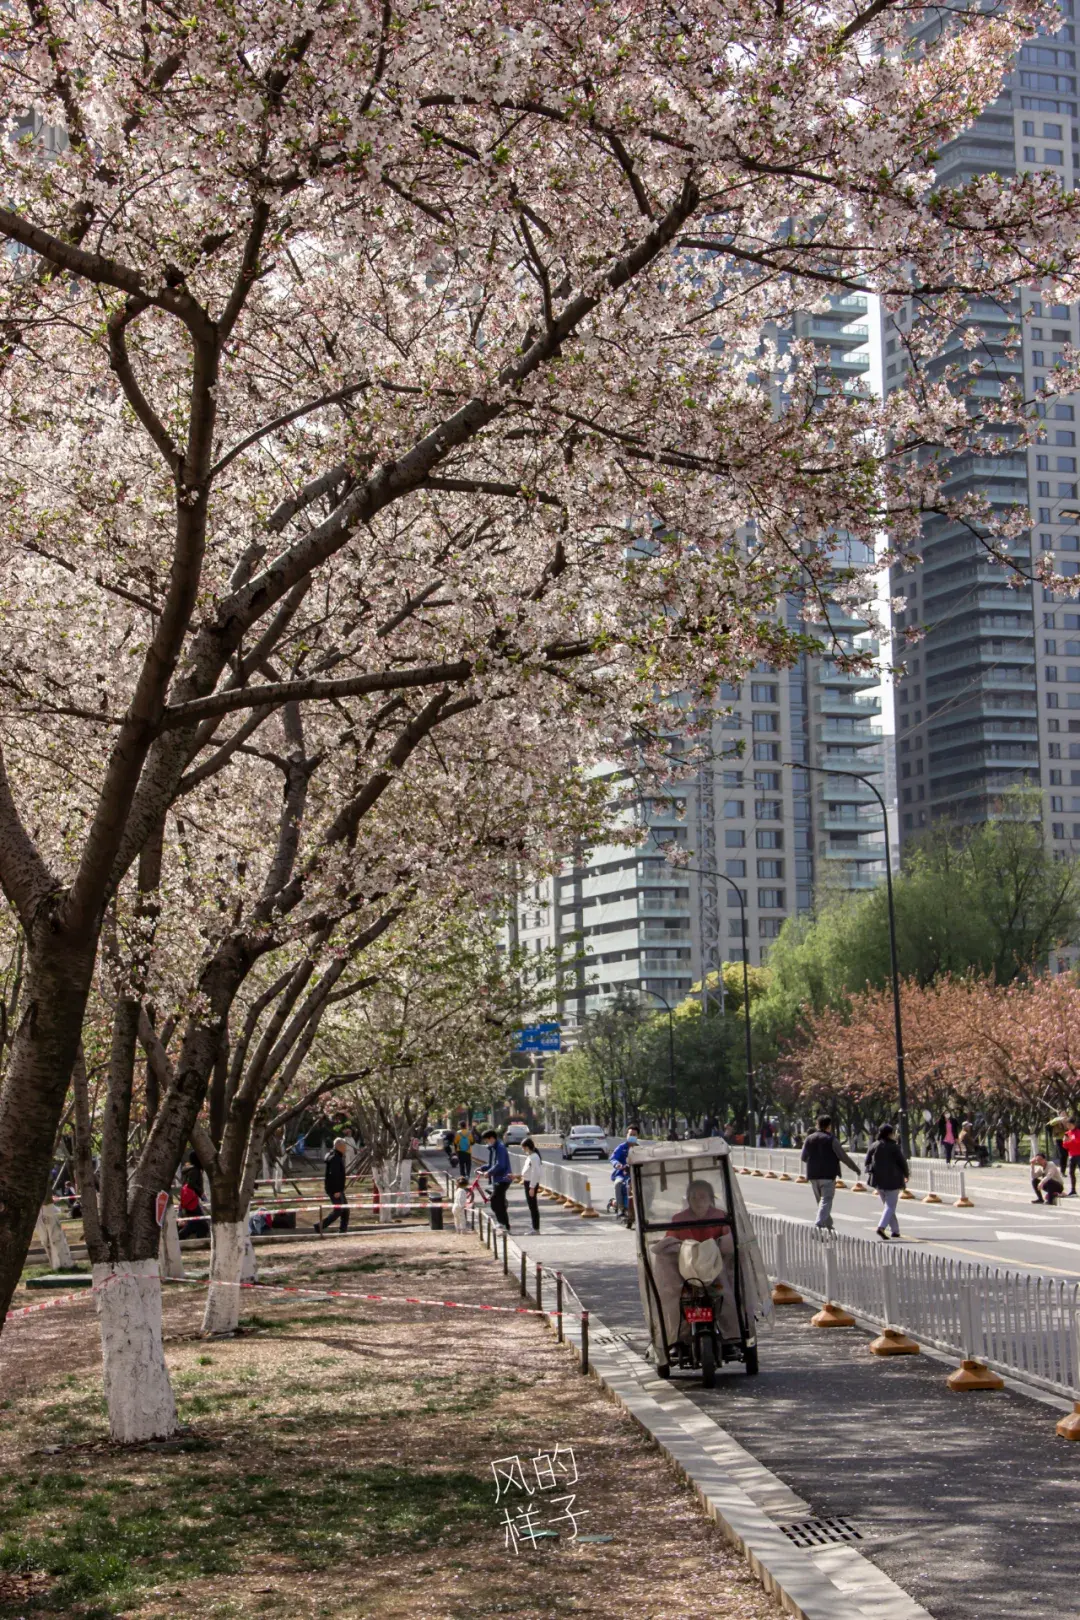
969 1503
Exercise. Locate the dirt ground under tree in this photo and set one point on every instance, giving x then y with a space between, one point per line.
336 1462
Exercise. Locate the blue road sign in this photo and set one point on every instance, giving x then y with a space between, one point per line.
538 1038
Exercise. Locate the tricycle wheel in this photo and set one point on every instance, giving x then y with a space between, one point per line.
750 1360
707 1351
663 1370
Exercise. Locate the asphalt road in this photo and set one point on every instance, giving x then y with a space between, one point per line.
969 1503
1005 1228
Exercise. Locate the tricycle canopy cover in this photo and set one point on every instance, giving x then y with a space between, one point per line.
686 1192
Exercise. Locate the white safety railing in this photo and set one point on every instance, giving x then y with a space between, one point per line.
927 1176
1019 1324
565 1180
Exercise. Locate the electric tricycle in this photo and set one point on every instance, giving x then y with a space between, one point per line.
703 1285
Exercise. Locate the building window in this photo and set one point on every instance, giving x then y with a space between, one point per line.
766 722
1052 700
735 925
733 779
1042 463
1029 154
762 692
734 838
771 899
1057 802
769 927
1057 829
766 750
1029 126
767 781
735 869
734 809
770 869
769 838
1051 671
768 810
1053 154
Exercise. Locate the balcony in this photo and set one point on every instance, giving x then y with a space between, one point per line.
841 703
834 731
834 330
853 852
829 675
843 789
837 822
655 905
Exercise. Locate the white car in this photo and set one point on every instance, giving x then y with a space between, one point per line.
585 1142
516 1133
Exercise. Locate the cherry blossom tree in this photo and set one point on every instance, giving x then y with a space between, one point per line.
386 364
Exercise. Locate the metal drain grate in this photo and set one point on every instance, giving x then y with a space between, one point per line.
821 1532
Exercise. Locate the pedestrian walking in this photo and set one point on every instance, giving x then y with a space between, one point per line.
530 1180
948 1130
822 1157
334 1182
1071 1141
887 1172
461 1205
500 1174
464 1152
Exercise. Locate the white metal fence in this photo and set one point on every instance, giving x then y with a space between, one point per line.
927 1175
1020 1324
565 1179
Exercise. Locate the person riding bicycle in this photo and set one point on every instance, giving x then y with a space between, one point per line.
620 1173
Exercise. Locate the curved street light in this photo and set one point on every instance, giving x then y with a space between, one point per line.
901 1078
706 871
671 1059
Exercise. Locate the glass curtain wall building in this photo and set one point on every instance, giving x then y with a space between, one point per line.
776 830
989 694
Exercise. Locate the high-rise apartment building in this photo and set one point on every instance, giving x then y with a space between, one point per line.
756 816
991 695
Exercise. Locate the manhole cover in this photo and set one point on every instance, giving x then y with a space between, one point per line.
821 1532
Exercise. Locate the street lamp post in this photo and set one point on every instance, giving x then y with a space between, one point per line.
705 871
901 1078
671 1060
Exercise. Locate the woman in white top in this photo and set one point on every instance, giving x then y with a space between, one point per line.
461 1205
530 1180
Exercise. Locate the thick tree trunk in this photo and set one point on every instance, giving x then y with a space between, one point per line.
35 1087
232 1262
53 1238
405 1183
137 1389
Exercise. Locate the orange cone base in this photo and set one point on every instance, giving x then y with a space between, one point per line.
757 1173
831 1316
859 1186
964 1203
893 1343
906 1194
783 1295
771 1175
1069 1427
589 1215
972 1375
802 1180
783 1176
931 1198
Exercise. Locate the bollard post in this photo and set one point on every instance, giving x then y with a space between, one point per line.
319 1229
584 1341
891 1341
1069 1427
963 1202
782 1293
539 1285
435 1211
506 1253
524 1284
931 1197
558 1306
831 1315
972 1374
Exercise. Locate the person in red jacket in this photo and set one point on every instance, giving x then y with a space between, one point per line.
1071 1143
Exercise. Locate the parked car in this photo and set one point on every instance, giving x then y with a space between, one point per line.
516 1133
585 1142
435 1139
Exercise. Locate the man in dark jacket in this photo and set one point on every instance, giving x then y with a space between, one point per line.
500 1173
887 1173
334 1182
822 1157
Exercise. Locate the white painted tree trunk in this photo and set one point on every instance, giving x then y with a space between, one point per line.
137 1388
1012 1148
385 1173
52 1237
170 1255
405 1183
232 1262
